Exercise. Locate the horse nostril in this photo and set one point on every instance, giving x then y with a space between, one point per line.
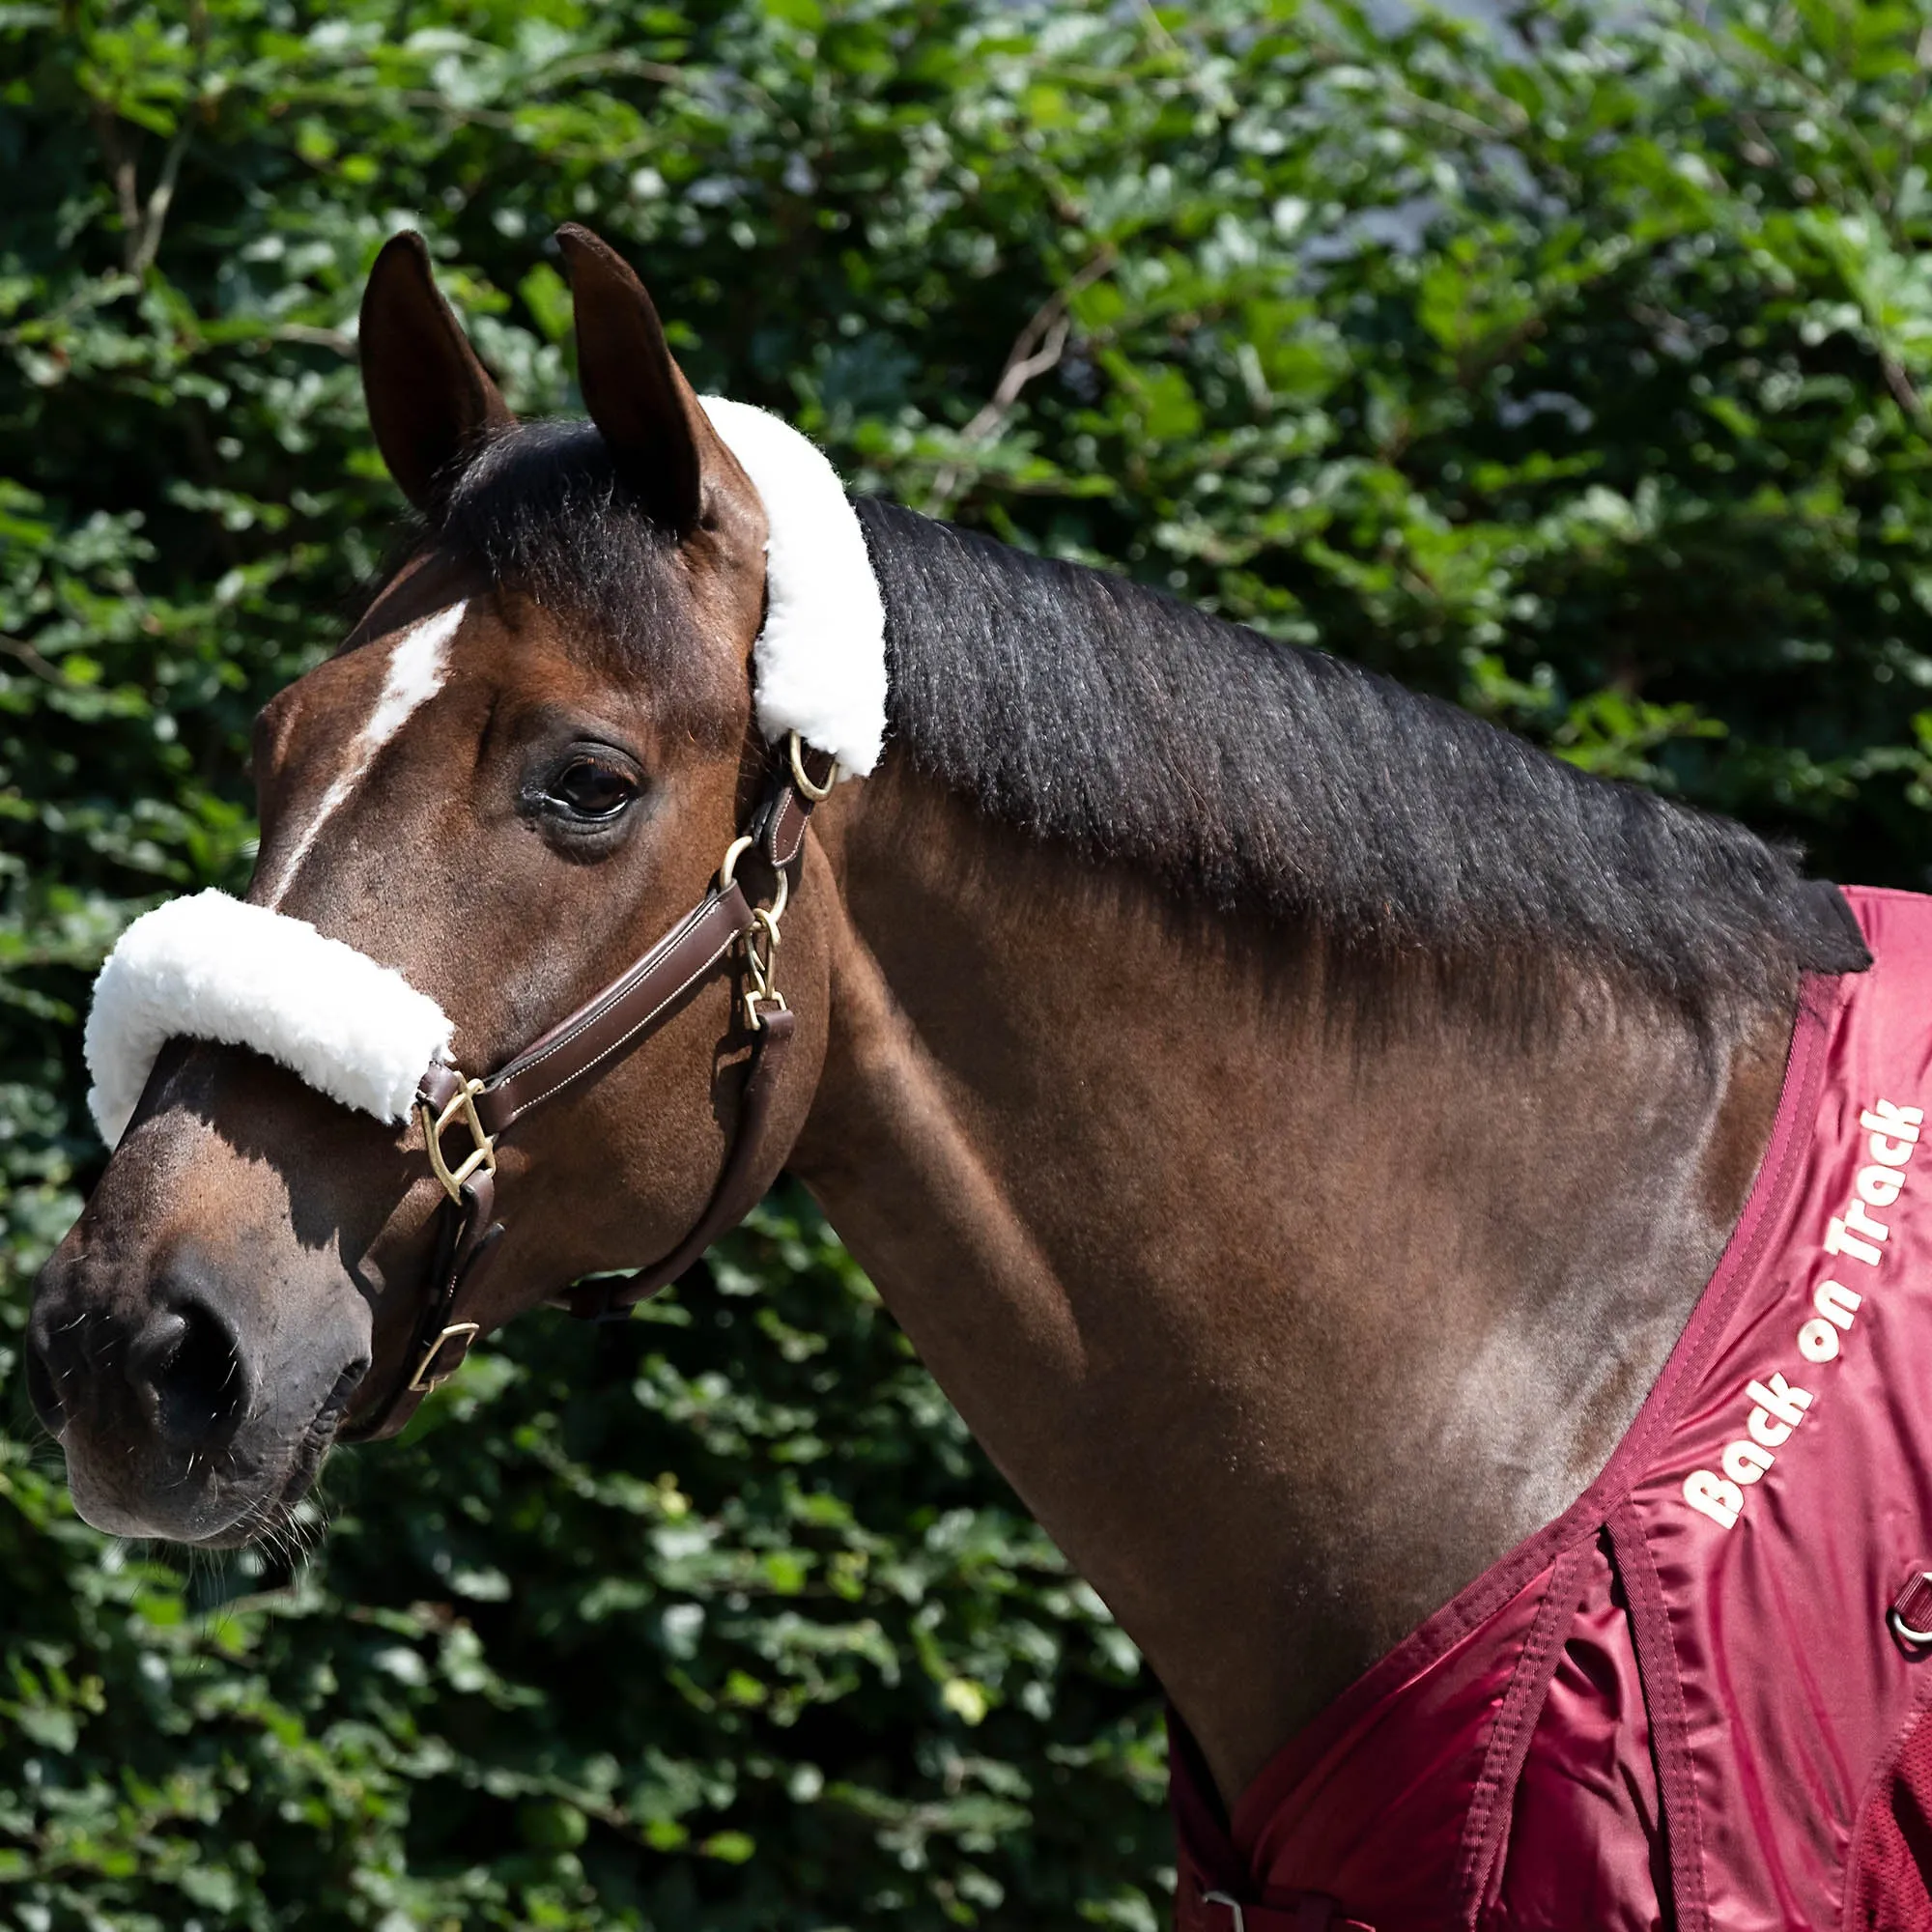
186 1363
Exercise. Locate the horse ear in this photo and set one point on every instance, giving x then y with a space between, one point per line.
430 400
648 415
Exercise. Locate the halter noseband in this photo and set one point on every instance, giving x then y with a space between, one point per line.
594 1037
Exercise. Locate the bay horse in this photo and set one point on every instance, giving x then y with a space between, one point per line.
1293 1120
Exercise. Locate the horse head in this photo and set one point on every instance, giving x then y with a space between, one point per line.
512 775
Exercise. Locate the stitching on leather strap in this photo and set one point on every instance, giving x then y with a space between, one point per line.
528 1062
676 993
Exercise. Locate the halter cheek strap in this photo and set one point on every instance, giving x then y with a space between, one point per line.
464 1120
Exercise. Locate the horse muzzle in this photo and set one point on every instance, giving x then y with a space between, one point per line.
169 1391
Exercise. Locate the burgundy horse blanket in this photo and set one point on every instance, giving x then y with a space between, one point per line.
1699 1699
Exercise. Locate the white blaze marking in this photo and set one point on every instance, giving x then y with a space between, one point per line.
418 665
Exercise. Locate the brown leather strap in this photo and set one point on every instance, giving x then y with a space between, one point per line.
602 1030
625 1013
466 1243
782 833
741 1186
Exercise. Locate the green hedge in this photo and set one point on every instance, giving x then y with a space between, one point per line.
1579 373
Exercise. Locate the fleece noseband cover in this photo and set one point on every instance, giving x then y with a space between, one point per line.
210 967
214 968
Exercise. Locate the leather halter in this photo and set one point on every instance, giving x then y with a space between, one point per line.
593 1038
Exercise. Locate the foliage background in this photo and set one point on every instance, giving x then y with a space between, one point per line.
1575 371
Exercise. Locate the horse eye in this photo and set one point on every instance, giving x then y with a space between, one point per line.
589 789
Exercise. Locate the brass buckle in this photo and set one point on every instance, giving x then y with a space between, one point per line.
762 991
423 1381
483 1149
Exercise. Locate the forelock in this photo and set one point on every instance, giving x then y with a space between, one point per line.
543 511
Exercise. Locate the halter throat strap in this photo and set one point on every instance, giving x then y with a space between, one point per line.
722 928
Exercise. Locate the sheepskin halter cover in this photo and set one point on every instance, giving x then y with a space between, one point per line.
211 967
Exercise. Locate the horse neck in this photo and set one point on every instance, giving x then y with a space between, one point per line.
1285 1329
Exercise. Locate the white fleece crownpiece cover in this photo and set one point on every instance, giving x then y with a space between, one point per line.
819 665
212 968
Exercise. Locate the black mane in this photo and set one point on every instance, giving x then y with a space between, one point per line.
1268 780
1243 775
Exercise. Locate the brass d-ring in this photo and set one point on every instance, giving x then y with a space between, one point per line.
728 871
816 793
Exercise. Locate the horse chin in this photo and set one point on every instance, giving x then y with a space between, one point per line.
241 1501
269 1517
